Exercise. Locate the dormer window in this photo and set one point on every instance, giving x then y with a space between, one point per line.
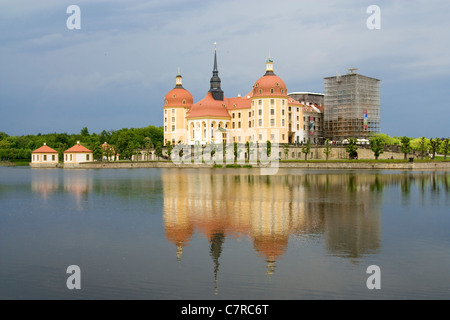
260 91
271 90
184 101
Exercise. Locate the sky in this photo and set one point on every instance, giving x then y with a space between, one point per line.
114 71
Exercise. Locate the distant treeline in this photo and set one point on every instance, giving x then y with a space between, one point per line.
124 142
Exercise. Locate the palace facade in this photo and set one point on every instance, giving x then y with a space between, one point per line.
266 113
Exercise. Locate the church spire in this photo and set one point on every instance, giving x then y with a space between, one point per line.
215 89
179 80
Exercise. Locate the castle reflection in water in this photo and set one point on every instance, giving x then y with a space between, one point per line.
341 209
344 210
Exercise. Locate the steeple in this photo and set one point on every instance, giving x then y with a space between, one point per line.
269 66
179 80
215 89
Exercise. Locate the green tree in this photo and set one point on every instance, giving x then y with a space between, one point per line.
84 132
405 145
327 148
444 149
434 145
169 147
423 147
352 148
376 145
307 148
269 148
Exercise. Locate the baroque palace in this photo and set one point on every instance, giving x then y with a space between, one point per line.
266 113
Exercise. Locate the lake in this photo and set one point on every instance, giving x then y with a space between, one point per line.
224 234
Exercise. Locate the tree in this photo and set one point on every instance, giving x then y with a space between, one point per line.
445 144
423 147
434 145
327 148
352 148
376 144
84 132
269 148
169 148
307 148
405 145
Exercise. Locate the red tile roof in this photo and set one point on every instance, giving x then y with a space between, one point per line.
208 107
78 148
175 98
44 149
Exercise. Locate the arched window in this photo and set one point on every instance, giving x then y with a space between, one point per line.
184 101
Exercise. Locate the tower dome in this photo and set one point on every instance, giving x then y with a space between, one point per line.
269 84
178 96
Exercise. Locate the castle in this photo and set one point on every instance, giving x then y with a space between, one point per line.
266 113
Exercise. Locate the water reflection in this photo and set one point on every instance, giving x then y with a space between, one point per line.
78 183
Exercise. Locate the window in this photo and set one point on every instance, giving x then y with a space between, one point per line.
282 137
272 101
272 111
249 114
45 157
239 124
87 157
34 157
282 122
249 124
259 102
66 157
282 91
271 90
260 122
260 91
234 115
239 114
282 102
260 112
165 128
165 111
173 119
173 128
173 111
53 157
234 125
272 122
282 113
165 119
184 101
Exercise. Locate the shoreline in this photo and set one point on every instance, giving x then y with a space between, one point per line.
429 165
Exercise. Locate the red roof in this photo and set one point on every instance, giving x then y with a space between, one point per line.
268 82
44 149
78 148
175 98
208 107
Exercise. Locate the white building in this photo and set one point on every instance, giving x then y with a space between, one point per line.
78 154
44 157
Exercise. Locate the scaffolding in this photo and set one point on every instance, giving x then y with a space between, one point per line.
351 106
